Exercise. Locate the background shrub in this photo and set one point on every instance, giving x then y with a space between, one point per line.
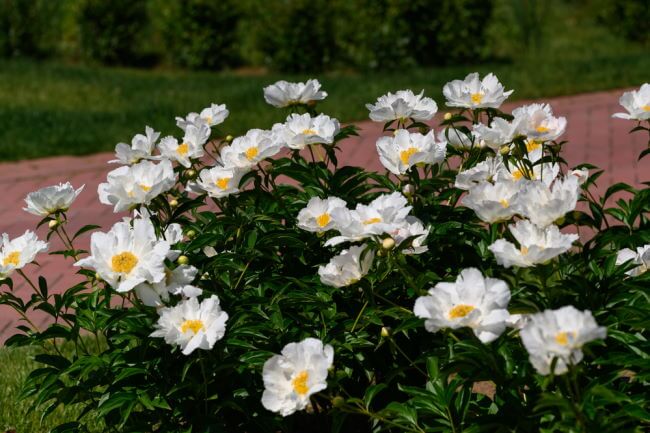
111 31
629 18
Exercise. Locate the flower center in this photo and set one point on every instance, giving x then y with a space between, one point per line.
183 149
123 262
562 338
372 221
208 120
476 98
460 311
524 250
323 220
12 258
405 155
504 203
299 383
309 132
251 153
517 174
222 182
542 129
192 325
532 145
646 108
145 188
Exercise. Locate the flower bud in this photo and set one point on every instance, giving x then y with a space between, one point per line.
183 260
504 150
173 202
385 332
338 401
408 190
205 276
53 223
191 234
388 243
191 173
229 138
448 116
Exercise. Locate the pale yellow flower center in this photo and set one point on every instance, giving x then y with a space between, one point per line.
542 129
309 132
372 221
299 383
323 219
123 262
517 174
460 311
476 98
532 145
562 338
192 325
208 120
524 250
222 182
504 203
251 153
646 108
183 149
405 155
145 188
12 258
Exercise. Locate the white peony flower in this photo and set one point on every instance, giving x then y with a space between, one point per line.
640 257
51 199
402 105
128 255
405 149
301 130
251 149
346 268
493 202
637 104
543 205
141 148
191 325
559 334
218 181
18 252
292 377
317 215
537 245
210 116
472 301
536 121
484 171
460 140
475 93
500 132
411 227
582 175
545 172
383 215
285 94
175 282
137 184
191 147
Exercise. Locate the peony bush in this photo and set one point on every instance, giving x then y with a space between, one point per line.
477 285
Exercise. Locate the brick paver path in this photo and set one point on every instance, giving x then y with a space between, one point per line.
593 137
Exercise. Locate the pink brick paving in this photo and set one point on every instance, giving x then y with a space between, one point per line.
593 137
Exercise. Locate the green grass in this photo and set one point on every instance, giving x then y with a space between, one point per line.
15 413
57 109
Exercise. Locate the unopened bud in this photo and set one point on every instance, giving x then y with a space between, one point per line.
385 331
53 223
190 173
191 234
183 260
173 202
205 276
408 190
229 138
504 150
388 243
338 401
560 221
447 116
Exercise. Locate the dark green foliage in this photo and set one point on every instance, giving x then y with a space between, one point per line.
629 18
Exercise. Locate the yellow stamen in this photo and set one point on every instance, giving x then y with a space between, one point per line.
145 188
323 220
251 153
542 129
405 155
562 338
309 132
12 258
208 120
299 383
124 262
646 108
517 174
504 203
222 182
460 311
524 250
183 149
372 221
532 145
192 325
476 98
